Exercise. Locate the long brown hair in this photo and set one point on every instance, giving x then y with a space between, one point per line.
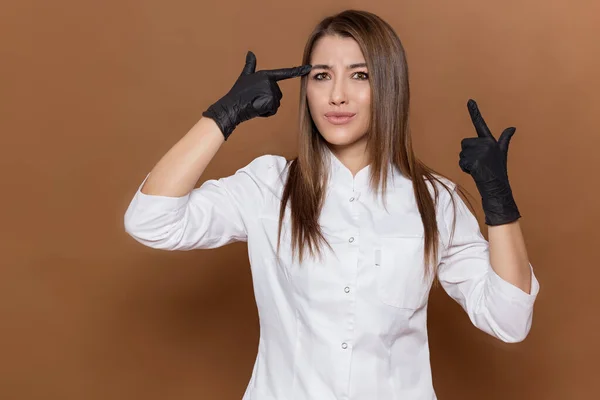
389 138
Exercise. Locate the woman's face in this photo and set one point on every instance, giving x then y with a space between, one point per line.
338 91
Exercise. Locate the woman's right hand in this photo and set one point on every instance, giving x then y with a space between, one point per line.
254 94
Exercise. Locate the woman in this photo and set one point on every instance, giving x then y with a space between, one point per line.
346 240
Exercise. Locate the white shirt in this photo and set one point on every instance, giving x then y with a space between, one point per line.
352 327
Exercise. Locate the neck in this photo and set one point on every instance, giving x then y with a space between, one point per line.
353 156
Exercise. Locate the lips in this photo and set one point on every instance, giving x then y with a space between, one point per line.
339 114
339 117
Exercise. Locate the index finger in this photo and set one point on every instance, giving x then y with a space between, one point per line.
480 125
287 73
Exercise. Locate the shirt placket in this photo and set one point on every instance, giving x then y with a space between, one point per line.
350 266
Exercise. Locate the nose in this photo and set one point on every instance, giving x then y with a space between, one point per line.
338 93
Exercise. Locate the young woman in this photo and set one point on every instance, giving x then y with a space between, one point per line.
346 240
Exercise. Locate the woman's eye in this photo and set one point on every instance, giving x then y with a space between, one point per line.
362 76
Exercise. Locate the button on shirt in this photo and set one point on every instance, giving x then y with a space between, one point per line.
351 325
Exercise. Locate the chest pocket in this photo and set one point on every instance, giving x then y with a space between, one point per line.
401 279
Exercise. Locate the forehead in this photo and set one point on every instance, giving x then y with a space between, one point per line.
333 50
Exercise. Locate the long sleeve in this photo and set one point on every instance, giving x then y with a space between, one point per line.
493 305
213 215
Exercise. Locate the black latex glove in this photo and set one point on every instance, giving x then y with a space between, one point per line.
254 94
484 159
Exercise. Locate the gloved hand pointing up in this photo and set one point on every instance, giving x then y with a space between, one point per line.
485 159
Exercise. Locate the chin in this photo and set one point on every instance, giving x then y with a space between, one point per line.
341 138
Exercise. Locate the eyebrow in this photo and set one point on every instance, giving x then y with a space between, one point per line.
328 67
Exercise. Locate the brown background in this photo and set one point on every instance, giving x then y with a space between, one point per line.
94 93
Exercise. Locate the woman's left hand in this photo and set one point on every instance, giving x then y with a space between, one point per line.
484 158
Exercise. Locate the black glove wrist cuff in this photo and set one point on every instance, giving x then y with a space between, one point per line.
500 211
221 120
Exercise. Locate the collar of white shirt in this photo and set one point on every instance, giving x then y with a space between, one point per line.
340 174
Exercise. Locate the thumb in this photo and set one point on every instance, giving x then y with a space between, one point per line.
250 66
504 139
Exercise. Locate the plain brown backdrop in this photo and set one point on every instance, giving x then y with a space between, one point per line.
92 94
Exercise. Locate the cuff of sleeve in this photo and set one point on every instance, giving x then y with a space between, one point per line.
512 292
150 201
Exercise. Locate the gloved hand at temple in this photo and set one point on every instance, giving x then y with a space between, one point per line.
254 94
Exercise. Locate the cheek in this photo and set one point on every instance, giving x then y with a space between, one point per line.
313 98
364 98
